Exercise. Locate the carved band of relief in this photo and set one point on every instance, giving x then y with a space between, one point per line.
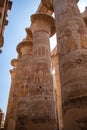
79 102
77 62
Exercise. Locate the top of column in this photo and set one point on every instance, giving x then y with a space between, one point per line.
49 4
29 34
12 73
25 46
15 62
43 22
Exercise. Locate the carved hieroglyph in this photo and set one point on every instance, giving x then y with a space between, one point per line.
72 46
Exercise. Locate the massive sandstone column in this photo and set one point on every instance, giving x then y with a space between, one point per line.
22 117
57 86
13 96
42 106
12 73
72 45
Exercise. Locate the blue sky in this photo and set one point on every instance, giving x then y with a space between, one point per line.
19 19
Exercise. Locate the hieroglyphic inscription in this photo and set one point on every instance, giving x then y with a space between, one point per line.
75 103
76 62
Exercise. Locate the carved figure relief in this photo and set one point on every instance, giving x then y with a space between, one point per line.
45 77
26 73
68 44
83 36
40 77
24 90
40 74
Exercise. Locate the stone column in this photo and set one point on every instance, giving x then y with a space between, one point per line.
12 72
72 38
25 48
13 96
42 106
57 86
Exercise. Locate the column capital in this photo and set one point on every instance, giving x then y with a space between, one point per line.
29 34
25 47
12 73
14 62
43 22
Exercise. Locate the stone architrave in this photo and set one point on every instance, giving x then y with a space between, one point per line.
72 46
13 96
25 48
42 106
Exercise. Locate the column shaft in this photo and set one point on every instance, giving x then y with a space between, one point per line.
22 116
72 46
42 107
72 39
13 97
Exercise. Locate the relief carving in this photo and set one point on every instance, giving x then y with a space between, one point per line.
26 73
68 44
75 103
83 37
80 61
40 74
24 89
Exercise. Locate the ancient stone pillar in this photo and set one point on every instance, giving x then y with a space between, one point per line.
42 106
57 86
12 72
72 45
25 48
13 96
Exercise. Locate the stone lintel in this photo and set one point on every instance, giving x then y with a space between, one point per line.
43 22
48 4
43 9
24 47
